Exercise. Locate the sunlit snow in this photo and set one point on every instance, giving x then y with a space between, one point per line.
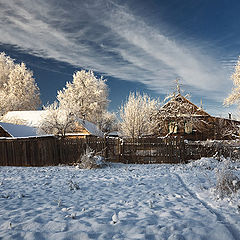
117 202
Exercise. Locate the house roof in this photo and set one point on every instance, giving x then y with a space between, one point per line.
183 107
17 131
33 119
91 128
27 118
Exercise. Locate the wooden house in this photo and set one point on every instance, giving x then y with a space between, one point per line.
85 129
180 117
32 119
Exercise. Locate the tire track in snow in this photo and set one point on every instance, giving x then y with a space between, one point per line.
220 218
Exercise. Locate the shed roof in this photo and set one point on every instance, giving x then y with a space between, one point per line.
19 130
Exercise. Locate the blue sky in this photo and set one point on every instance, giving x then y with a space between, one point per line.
136 45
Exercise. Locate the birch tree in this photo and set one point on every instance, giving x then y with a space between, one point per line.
18 90
85 96
136 115
234 96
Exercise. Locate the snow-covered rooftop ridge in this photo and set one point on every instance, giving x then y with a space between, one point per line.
28 118
183 105
18 131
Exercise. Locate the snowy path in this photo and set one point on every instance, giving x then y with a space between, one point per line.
150 201
220 218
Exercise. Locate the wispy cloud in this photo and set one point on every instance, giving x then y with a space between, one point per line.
109 38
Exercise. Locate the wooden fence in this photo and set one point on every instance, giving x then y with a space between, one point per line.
70 150
46 151
146 150
217 148
29 152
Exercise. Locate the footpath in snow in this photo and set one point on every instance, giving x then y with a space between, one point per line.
116 202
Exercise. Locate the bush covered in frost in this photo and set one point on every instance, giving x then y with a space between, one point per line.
90 160
227 182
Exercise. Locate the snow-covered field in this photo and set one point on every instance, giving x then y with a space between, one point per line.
117 202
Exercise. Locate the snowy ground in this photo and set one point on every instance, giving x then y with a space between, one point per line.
147 201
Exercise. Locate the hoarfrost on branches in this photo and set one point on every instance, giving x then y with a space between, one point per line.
108 122
136 115
234 96
90 160
85 97
227 183
18 90
58 121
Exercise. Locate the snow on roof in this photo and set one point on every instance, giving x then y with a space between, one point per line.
33 119
28 118
19 130
181 102
91 128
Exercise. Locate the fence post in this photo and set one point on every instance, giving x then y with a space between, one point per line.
183 151
105 145
118 149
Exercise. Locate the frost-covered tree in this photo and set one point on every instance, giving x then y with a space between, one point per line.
6 66
108 122
136 115
234 97
57 121
18 90
86 96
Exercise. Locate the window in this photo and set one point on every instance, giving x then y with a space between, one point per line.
188 127
172 127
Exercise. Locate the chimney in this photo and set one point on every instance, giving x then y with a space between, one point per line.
229 116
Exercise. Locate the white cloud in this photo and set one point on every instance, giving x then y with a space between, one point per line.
108 38
166 58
